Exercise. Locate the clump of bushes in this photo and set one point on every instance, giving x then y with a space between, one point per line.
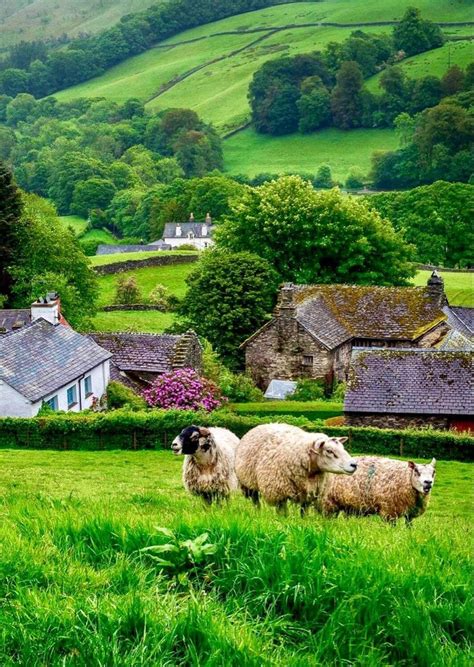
120 396
161 296
237 387
127 291
308 390
183 389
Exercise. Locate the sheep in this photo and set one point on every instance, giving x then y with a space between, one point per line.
282 462
209 463
392 489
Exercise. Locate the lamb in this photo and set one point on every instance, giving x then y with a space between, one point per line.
283 462
209 463
392 489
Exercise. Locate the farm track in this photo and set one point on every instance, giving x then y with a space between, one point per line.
269 32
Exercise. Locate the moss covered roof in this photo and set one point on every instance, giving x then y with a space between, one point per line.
336 313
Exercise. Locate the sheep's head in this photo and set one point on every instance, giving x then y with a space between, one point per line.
328 455
192 440
422 476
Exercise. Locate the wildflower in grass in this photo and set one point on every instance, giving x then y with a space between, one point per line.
183 389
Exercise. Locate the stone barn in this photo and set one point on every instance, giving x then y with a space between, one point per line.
411 388
315 327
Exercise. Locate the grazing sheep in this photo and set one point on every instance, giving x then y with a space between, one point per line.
381 486
283 462
209 463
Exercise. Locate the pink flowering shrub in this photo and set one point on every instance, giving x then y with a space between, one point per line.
183 390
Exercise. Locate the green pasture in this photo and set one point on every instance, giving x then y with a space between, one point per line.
432 63
116 258
77 589
459 287
148 321
312 410
78 224
250 153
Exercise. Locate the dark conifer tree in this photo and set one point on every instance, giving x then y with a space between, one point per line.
10 211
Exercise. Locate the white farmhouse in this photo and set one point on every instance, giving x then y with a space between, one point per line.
45 361
198 234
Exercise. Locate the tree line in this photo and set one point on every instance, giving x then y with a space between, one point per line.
41 69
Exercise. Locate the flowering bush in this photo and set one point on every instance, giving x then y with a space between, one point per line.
183 390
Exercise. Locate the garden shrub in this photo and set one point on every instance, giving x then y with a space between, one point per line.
237 387
120 396
127 291
162 297
308 390
183 389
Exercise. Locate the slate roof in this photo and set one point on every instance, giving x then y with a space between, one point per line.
461 319
11 320
455 340
186 228
41 358
151 353
411 381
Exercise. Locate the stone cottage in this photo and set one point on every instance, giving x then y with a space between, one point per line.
315 327
138 358
411 388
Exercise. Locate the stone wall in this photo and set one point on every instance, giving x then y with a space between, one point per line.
132 306
160 260
384 420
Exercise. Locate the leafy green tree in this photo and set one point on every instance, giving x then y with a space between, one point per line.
122 212
355 179
10 211
49 257
314 105
347 104
426 92
7 142
127 291
323 178
213 194
415 35
20 109
452 81
229 297
14 81
405 128
168 169
315 236
91 194
67 170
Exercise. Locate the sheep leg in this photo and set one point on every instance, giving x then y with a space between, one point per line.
253 495
207 497
282 508
304 509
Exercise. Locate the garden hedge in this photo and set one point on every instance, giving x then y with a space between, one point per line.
155 429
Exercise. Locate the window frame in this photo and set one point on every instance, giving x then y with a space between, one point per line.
71 404
88 386
307 360
53 402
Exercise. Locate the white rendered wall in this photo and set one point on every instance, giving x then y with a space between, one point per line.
13 404
200 243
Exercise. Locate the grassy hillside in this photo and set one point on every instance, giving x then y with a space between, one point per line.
39 19
273 591
78 224
250 153
459 287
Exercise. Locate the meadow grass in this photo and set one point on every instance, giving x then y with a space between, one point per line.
78 224
150 321
431 63
116 258
459 287
250 153
76 589
310 409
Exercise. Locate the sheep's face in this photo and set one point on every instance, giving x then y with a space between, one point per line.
191 441
328 455
422 476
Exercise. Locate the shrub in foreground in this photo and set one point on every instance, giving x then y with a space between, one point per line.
183 389
120 396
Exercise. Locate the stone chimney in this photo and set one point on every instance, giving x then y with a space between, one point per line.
208 219
191 217
48 308
435 286
286 314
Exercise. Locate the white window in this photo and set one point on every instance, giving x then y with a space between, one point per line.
52 402
71 396
88 385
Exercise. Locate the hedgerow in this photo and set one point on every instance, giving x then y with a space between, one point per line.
155 429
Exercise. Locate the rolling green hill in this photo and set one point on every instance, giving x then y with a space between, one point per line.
209 69
39 19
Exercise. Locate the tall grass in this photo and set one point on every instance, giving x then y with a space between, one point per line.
75 588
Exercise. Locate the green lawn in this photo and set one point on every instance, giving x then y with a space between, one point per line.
250 153
459 287
78 224
148 321
309 409
77 590
433 63
101 260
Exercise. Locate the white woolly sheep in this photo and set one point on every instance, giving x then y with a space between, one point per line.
282 462
392 489
209 463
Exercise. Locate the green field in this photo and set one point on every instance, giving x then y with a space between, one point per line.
289 592
38 19
251 153
148 321
102 260
78 224
432 63
459 287
310 409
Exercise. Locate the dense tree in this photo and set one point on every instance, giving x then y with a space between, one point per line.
14 81
7 142
414 35
316 236
10 211
347 104
452 81
68 170
436 219
236 293
314 105
355 179
323 178
92 193
213 194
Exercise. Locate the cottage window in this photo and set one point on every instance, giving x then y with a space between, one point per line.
88 385
307 360
71 396
52 402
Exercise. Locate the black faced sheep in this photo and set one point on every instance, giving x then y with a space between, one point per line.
282 462
209 463
390 488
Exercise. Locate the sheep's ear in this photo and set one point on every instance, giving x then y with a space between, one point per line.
204 432
411 465
342 440
318 444
433 462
